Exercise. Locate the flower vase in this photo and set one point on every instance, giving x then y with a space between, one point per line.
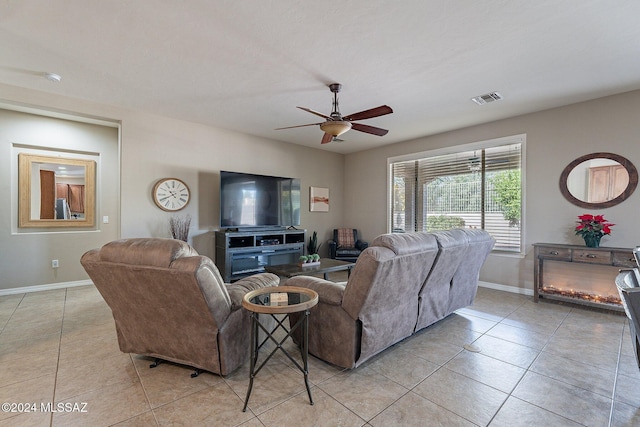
592 241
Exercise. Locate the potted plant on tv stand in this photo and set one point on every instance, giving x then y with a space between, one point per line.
313 247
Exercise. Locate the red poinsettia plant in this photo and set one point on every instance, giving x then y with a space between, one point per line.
593 226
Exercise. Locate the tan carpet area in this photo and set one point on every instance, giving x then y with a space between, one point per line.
539 365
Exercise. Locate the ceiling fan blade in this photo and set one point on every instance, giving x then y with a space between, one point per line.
299 126
309 110
369 129
368 114
326 138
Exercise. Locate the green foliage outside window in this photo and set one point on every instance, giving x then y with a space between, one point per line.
506 186
444 222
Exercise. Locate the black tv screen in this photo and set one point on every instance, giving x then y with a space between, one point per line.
249 200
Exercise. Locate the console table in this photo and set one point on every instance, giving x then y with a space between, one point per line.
600 267
243 253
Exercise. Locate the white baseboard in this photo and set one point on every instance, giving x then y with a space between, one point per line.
505 288
49 287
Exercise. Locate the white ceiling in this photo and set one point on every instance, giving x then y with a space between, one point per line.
245 65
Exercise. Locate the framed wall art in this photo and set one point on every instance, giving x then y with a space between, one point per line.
318 199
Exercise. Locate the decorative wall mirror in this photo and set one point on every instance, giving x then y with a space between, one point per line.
56 191
598 180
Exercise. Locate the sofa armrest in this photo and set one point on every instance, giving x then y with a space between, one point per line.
328 292
238 289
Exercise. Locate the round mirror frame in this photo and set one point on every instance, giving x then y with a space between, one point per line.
631 170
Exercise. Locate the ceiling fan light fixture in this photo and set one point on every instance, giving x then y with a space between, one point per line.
336 124
335 127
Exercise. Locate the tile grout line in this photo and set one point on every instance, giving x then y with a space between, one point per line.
462 349
55 381
615 379
7 322
527 370
442 366
510 394
12 313
144 390
539 352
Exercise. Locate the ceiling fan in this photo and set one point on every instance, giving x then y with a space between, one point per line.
336 124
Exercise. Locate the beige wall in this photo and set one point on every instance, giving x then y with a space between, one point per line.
554 138
154 147
27 252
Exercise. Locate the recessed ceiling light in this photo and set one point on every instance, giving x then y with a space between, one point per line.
52 77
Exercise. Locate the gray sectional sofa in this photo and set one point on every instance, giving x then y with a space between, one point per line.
401 284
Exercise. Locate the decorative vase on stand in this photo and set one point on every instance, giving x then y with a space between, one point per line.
592 241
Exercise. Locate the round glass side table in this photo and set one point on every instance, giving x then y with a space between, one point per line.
275 300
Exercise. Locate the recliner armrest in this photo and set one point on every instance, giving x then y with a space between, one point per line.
328 292
362 245
260 280
238 289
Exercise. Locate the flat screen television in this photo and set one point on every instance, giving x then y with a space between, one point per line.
250 200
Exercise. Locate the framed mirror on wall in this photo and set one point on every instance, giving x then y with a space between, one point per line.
598 180
56 191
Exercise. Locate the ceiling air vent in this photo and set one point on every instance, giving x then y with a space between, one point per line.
487 97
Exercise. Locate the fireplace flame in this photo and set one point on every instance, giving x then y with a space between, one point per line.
571 293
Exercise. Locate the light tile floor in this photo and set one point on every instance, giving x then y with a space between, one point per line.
539 365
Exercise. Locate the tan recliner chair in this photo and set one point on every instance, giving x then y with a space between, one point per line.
170 303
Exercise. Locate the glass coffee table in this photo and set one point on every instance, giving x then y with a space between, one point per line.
326 266
271 301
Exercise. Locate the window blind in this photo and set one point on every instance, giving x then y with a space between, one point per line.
478 188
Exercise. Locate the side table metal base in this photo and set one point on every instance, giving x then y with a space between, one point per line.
255 348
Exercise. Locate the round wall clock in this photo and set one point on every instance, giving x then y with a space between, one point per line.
171 194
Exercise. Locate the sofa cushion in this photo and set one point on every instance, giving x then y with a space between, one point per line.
464 283
348 252
433 297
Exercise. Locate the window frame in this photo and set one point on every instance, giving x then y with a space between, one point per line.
490 143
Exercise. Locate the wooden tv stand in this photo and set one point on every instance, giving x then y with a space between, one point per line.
243 253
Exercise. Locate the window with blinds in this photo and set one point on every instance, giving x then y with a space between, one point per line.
478 188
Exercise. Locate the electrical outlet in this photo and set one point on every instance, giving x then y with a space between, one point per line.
55 263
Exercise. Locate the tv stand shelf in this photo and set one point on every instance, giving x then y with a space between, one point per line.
243 253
